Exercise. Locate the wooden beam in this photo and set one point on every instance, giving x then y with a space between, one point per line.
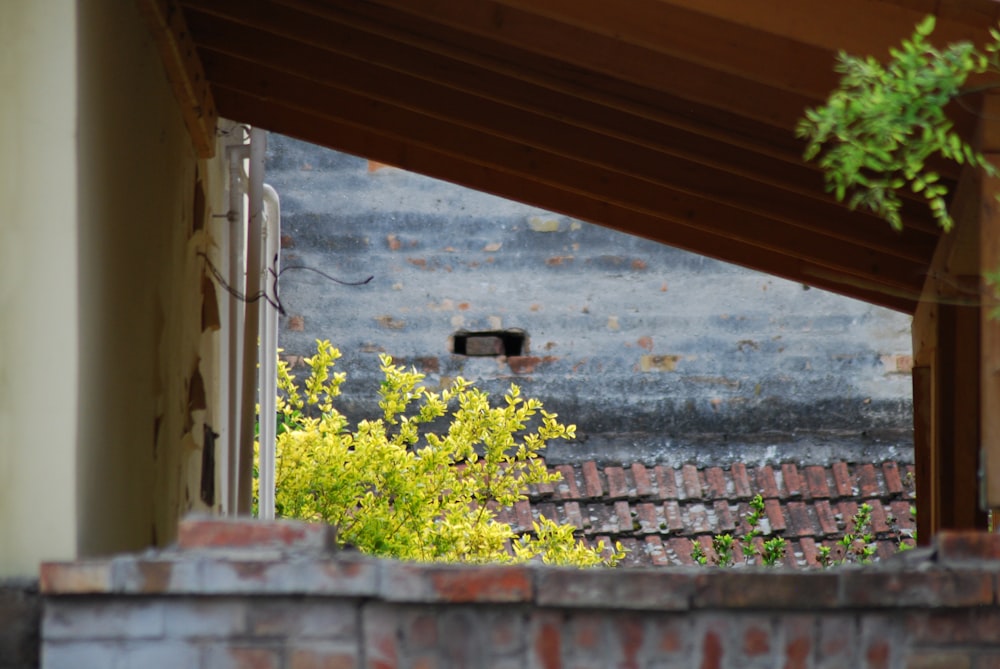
184 71
988 141
949 401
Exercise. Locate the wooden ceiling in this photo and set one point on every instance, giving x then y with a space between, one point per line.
669 119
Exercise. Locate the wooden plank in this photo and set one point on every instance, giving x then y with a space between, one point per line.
184 71
427 158
924 452
589 53
988 141
857 26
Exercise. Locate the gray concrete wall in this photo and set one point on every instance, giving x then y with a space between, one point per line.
646 348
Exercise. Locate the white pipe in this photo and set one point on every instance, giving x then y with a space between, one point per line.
269 359
255 283
233 358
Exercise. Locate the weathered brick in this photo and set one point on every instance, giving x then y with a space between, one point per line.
893 482
837 642
817 483
455 583
93 619
656 551
672 516
799 638
568 488
827 520
647 518
938 627
843 480
545 641
741 482
204 618
692 482
715 479
960 546
286 535
522 514
573 517
314 655
380 636
311 618
791 480
617 487
799 522
623 516
242 654
160 654
766 483
939 660
762 589
885 588
82 577
643 484
868 481
82 654
666 482
664 590
775 515
592 479
724 519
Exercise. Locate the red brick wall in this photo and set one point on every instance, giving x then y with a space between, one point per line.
275 595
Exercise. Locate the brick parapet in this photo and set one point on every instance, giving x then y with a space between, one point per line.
286 602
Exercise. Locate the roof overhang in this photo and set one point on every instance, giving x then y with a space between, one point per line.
670 119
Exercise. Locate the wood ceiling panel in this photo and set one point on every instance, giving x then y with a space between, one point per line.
364 141
597 134
621 191
665 120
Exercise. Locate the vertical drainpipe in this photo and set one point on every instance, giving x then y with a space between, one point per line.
256 281
269 358
229 456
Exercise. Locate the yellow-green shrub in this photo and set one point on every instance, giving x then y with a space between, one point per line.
394 487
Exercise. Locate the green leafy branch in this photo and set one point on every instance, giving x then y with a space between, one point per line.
875 133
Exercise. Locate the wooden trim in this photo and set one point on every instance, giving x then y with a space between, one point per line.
184 71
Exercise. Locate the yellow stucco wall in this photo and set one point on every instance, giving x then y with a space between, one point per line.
38 270
100 287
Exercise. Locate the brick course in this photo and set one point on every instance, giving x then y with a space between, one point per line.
285 601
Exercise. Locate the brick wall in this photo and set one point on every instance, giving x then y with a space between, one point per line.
277 595
20 614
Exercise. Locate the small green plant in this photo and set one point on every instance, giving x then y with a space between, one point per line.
876 132
394 487
770 552
857 545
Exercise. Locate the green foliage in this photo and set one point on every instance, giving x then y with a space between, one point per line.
875 133
858 543
770 552
394 487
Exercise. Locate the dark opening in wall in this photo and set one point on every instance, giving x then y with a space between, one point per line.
492 343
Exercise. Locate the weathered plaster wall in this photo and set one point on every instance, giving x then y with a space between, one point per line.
100 287
646 348
140 290
38 273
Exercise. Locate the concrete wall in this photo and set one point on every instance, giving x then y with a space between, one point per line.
646 348
101 287
272 595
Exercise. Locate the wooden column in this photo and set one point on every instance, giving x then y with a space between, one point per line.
956 376
989 258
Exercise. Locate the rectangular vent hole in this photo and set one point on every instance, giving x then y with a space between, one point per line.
491 343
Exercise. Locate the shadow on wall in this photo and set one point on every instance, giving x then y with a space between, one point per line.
635 342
